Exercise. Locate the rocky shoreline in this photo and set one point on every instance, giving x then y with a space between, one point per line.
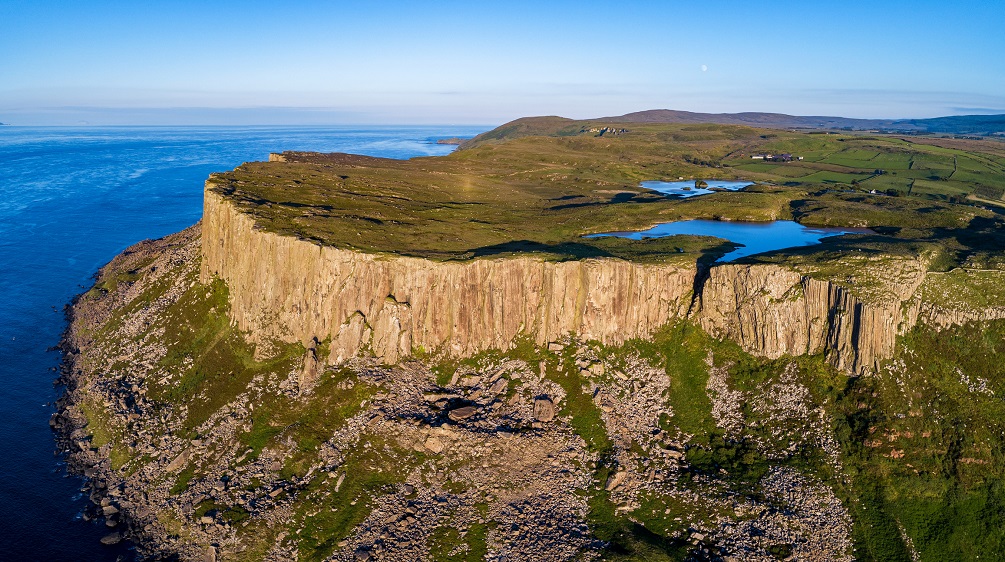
104 489
125 511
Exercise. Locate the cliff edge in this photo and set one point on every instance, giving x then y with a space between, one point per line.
294 290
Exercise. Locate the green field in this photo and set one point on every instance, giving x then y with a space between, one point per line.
538 185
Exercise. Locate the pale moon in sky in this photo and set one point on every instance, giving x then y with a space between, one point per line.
704 68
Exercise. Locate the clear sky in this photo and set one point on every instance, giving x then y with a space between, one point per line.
484 62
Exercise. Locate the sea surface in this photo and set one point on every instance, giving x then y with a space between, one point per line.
755 237
70 200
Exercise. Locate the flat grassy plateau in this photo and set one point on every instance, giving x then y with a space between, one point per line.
538 185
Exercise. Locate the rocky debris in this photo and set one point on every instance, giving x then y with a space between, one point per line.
462 413
434 445
499 385
632 403
109 510
787 415
784 414
471 426
814 523
484 472
544 409
726 402
179 461
615 480
111 539
312 368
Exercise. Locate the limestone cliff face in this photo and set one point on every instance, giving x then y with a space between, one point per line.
294 290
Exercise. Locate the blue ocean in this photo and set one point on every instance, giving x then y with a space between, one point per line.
70 200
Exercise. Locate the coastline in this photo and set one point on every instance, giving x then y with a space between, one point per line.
124 509
180 458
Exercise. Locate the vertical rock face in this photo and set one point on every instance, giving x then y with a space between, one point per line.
283 288
774 311
293 290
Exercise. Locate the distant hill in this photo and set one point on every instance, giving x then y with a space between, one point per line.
978 125
960 124
526 127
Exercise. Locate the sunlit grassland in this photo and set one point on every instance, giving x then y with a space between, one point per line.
536 186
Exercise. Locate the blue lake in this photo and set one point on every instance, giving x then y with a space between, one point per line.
70 199
683 189
756 237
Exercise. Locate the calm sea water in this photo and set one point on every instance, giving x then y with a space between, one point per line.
756 237
70 200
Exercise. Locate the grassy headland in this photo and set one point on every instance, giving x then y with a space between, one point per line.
539 184
678 446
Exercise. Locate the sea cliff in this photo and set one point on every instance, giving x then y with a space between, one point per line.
292 290
353 358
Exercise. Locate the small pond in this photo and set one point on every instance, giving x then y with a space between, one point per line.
683 189
756 237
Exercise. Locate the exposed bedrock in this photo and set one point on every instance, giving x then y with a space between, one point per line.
773 311
294 290
291 290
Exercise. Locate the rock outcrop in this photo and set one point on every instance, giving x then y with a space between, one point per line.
288 289
293 290
774 311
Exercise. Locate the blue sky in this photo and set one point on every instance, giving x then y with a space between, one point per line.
481 62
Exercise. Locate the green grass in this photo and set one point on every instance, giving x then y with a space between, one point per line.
231 515
327 516
587 421
182 481
445 539
210 361
891 161
309 423
853 158
103 432
966 290
759 167
941 190
626 536
536 186
831 178
887 182
945 484
681 349
731 461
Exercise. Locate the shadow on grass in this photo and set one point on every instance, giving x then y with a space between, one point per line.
703 249
623 197
562 250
